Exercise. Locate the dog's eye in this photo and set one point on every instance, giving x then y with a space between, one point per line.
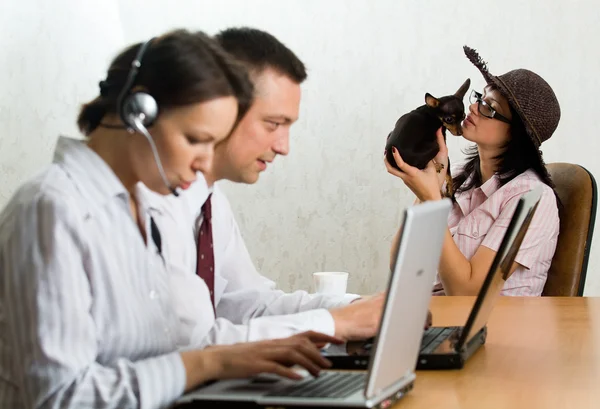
448 119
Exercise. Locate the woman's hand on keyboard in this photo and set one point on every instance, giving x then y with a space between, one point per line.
273 356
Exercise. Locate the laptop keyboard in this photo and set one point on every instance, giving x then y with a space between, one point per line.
434 336
327 385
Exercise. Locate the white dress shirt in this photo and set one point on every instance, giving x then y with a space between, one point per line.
86 310
249 307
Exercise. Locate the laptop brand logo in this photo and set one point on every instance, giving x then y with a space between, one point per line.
420 273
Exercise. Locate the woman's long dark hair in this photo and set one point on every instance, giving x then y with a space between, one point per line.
519 154
179 68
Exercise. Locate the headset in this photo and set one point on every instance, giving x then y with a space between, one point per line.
138 110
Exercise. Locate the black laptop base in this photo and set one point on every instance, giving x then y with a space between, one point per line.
426 361
451 359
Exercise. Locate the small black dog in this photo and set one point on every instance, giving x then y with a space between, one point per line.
414 133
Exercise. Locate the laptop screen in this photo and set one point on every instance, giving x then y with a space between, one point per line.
501 266
408 294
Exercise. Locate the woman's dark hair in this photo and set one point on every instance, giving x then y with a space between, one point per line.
519 154
179 68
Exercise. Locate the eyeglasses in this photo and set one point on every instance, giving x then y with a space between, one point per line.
485 109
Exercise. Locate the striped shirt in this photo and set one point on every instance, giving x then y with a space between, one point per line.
249 306
481 217
85 307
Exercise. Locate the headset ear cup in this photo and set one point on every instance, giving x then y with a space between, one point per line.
139 105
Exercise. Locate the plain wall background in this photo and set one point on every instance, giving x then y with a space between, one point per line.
330 205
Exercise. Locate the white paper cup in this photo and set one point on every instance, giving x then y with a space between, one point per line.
330 282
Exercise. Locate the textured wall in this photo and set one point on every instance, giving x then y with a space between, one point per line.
52 55
330 205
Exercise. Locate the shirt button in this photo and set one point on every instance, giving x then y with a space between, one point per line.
153 295
475 234
202 256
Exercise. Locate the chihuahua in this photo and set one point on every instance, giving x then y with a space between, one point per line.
414 135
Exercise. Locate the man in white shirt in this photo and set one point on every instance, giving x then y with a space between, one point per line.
212 248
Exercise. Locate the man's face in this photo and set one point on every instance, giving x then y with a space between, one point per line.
262 133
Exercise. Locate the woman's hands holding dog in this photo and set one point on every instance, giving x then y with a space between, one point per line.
441 159
425 184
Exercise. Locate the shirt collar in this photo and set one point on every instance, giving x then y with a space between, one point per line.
488 189
194 197
490 186
150 200
202 179
200 191
90 173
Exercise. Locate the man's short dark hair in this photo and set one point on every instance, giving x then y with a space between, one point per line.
260 50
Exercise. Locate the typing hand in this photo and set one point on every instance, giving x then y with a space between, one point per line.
429 320
359 320
274 356
362 348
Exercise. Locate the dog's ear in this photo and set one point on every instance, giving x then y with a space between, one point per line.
431 101
463 89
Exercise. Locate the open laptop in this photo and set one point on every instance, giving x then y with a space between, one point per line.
450 347
391 368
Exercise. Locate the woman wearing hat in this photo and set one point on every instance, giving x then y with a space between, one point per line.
87 317
508 122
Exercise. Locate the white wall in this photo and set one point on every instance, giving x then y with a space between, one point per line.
52 55
330 205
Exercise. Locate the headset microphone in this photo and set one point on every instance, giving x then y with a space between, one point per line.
139 127
138 110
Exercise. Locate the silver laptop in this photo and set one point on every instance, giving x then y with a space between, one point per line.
451 347
392 363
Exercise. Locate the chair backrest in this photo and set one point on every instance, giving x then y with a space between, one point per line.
576 188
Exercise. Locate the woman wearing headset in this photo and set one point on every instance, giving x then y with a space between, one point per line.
86 316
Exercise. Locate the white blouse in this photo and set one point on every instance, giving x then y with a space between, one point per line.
86 316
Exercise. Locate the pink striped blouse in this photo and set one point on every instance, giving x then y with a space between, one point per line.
481 216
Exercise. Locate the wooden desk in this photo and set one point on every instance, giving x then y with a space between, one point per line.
540 352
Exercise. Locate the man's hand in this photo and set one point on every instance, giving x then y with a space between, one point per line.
360 319
429 320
